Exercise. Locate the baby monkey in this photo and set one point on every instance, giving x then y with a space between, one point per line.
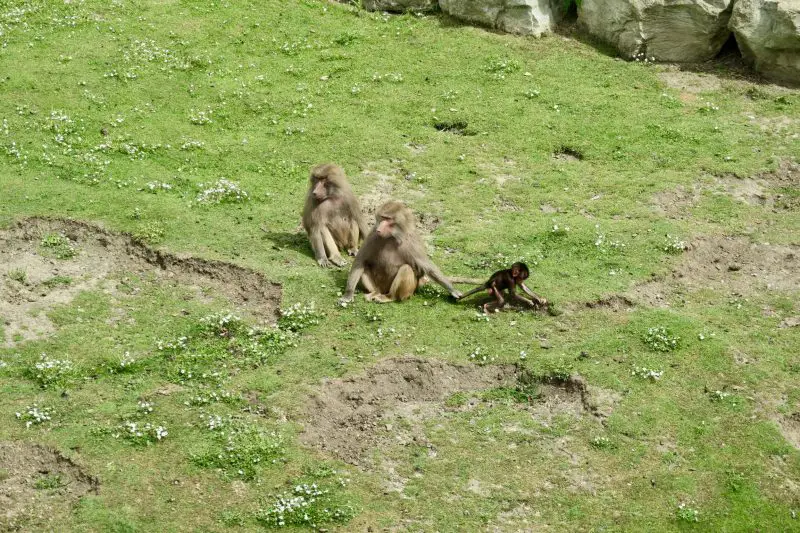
508 279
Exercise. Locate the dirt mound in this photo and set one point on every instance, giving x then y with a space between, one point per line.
775 190
774 407
37 486
32 281
389 403
348 416
395 184
733 264
615 303
790 428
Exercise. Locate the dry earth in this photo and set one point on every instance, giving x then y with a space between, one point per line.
101 253
37 485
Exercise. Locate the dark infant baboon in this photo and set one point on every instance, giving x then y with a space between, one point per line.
508 280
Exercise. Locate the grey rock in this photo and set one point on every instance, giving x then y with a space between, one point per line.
768 35
523 17
667 30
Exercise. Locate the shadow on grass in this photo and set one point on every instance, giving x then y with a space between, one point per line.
284 240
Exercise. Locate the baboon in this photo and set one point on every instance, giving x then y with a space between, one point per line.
393 262
508 279
332 217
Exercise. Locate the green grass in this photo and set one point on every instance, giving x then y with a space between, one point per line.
131 114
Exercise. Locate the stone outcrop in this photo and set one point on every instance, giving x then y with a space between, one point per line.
400 6
524 17
667 30
768 35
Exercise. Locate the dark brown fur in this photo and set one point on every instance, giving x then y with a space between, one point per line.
508 280
331 216
393 262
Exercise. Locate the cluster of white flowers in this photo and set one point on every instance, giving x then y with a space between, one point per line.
646 373
126 361
3 364
155 186
299 316
144 434
661 340
641 56
600 240
601 442
221 323
179 344
481 358
719 395
210 397
221 191
293 507
686 513
394 77
48 371
200 118
145 407
33 415
674 245
215 422
192 145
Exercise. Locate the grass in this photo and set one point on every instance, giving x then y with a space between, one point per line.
193 125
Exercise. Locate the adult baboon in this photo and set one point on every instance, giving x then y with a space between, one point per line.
392 262
332 217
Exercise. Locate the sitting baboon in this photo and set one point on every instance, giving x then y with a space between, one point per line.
332 217
393 262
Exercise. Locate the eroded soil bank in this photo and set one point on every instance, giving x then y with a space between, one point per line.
47 262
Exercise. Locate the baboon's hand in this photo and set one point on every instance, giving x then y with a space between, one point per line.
324 263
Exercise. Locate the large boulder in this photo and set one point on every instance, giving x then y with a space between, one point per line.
399 6
667 30
524 17
768 35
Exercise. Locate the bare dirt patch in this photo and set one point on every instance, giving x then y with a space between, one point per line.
50 281
615 303
778 190
774 408
675 203
690 82
389 403
394 186
731 264
38 486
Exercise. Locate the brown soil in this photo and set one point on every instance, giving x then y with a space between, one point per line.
614 303
690 82
389 404
788 424
23 506
676 203
101 253
393 186
768 189
731 264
